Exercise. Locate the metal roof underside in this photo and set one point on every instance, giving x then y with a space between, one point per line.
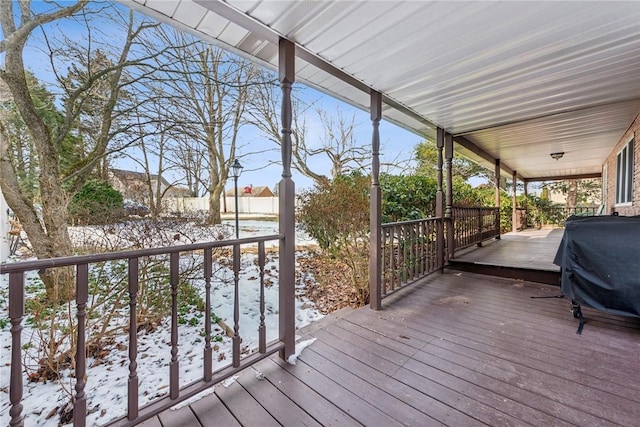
519 80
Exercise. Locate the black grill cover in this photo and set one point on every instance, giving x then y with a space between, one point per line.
600 261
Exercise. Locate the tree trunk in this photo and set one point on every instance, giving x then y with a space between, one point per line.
572 193
214 208
47 233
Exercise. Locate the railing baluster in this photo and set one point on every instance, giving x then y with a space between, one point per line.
82 295
394 258
16 276
403 256
383 255
16 314
428 246
406 241
236 305
208 352
262 329
132 384
174 367
480 219
412 264
421 243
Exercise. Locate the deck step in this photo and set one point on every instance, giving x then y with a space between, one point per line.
531 275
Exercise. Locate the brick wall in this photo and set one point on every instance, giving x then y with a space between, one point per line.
634 209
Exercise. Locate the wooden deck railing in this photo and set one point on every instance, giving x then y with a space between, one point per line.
521 219
472 225
82 266
410 252
556 215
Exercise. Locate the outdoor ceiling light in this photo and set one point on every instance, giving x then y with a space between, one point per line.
237 168
557 156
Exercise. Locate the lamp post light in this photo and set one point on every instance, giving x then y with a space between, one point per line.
237 169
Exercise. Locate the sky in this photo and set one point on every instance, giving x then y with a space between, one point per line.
396 143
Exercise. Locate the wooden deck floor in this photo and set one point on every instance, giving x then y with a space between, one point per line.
526 255
457 349
532 248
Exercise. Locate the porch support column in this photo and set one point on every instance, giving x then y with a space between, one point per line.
497 172
286 196
448 211
514 203
526 202
375 209
440 255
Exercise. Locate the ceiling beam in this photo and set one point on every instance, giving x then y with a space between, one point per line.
464 142
563 177
234 15
267 33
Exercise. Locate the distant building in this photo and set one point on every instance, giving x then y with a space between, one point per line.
134 186
251 191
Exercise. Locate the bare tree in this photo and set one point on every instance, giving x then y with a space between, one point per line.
210 90
59 178
337 145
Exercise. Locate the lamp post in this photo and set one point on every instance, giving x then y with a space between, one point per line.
237 169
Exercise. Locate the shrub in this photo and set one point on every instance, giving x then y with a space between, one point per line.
336 214
96 203
407 197
331 211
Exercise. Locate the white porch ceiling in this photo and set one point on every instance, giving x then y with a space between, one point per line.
517 79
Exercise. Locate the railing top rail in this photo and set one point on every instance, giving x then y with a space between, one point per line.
111 256
475 207
413 221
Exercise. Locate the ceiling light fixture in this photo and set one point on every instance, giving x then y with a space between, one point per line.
557 156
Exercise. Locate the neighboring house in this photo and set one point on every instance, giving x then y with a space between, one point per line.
558 197
251 191
133 185
621 174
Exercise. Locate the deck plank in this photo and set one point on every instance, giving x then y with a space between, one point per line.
179 417
243 406
348 399
570 362
210 411
544 349
151 422
443 410
304 396
454 349
274 401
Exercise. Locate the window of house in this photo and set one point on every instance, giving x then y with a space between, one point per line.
624 174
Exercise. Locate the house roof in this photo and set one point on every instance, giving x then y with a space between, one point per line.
510 80
256 191
133 175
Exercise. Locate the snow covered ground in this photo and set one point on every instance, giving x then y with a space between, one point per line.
107 376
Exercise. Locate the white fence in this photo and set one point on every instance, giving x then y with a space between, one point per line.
248 205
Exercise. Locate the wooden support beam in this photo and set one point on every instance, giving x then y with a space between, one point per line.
563 177
464 142
375 208
448 210
440 243
287 195
497 195
514 203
